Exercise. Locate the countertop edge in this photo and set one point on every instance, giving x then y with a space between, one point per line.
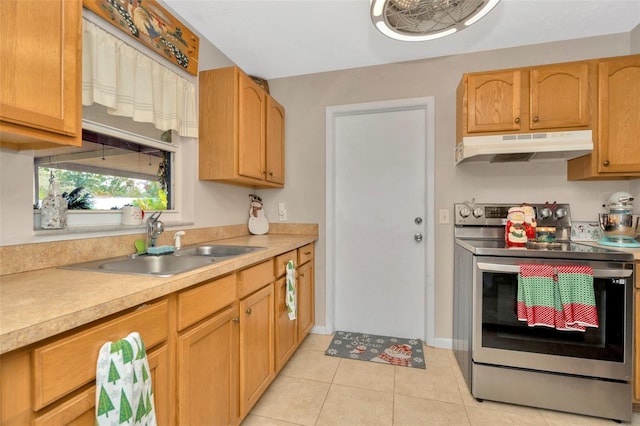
146 289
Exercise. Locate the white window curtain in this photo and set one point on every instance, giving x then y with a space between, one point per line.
131 84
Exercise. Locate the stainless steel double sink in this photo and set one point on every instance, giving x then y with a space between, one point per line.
165 265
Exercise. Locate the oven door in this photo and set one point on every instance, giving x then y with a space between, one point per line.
499 338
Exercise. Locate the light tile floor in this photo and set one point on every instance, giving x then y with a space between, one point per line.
315 389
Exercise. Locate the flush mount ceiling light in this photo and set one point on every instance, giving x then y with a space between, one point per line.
419 20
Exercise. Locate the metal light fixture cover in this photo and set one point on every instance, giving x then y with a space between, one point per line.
420 20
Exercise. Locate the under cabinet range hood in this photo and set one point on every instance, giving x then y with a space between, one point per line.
524 146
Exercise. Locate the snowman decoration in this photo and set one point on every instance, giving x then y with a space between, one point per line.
258 223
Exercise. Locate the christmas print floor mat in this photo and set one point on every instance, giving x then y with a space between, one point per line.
382 349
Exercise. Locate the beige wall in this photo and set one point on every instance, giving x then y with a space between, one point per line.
306 97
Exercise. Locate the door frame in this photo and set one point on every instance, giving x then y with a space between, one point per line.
425 104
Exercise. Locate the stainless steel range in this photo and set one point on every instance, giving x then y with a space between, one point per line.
503 358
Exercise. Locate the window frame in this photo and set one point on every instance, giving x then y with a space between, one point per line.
98 218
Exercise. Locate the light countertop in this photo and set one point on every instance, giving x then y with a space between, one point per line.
634 251
39 304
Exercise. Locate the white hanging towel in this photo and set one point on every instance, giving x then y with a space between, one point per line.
292 308
124 395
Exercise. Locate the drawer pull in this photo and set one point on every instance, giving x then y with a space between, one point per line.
248 311
235 319
307 253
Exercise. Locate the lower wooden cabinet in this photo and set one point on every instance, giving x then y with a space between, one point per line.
213 350
53 382
80 410
286 333
257 368
207 371
306 300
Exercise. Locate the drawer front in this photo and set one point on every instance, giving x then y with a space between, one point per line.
198 303
281 262
68 363
305 254
255 278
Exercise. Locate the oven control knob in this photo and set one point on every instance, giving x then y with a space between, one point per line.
478 212
545 212
560 213
465 212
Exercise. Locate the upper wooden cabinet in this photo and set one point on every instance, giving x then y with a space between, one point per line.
560 95
616 153
40 73
551 97
275 142
241 136
493 101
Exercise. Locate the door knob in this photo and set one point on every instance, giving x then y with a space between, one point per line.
418 237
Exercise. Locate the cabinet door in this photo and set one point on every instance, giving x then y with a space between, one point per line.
560 96
617 148
493 101
40 47
207 371
251 128
256 347
275 141
306 300
286 329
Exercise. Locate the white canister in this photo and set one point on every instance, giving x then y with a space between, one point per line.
132 215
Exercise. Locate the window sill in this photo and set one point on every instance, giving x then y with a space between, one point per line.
99 223
103 229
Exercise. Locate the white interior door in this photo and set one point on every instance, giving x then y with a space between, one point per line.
379 203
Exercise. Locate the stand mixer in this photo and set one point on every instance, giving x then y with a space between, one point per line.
619 224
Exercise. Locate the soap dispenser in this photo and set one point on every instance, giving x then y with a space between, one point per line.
54 208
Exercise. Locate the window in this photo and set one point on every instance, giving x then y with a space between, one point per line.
111 169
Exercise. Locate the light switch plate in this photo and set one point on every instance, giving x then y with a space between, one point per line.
444 216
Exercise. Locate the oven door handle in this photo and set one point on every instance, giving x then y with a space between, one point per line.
597 273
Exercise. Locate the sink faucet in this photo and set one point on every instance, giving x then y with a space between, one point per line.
154 229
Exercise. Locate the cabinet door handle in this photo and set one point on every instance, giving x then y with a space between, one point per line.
248 311
270 173
235 319
536 119
605 163
302 275
517 120
307 253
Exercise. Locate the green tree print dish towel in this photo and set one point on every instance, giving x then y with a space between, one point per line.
124 395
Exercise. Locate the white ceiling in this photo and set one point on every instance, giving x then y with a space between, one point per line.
281 38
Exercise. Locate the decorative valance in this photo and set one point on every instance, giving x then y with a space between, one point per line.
131 84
